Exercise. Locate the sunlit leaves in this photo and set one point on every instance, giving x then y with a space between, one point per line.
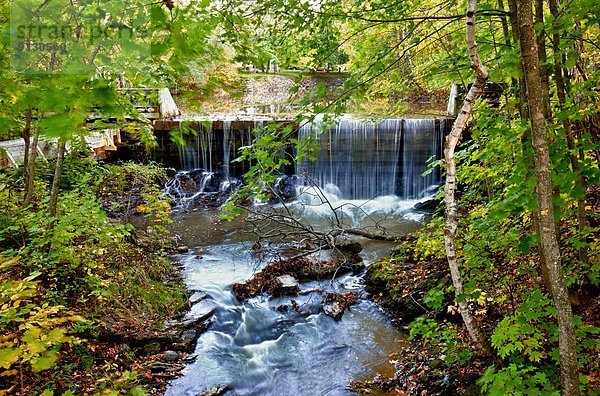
32 333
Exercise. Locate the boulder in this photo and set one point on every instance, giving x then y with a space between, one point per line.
171 356
285 188
348 244
208 182
430 204
333 309
215 390
189 335
182 249
335 304
187 184
213 183
288 286
152 348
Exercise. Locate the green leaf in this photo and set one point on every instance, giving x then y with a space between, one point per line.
44 362
138 391
8 356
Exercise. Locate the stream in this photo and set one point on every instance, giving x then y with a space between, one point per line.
372 173
255 349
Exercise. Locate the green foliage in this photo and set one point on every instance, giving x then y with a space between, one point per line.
32 332
523 334
517 380
82 259
435 297
443 338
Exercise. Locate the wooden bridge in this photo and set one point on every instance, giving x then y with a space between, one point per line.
153 103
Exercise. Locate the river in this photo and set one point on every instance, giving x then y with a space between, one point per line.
256 349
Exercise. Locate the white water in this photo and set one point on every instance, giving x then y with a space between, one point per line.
315 204
366 160
257 350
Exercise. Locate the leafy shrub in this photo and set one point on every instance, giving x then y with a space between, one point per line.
33 331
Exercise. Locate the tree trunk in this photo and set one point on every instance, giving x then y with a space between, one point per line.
525 139
541 45
543 58
451 208
549 242
562 102
57 175
27 139
513 10
30 169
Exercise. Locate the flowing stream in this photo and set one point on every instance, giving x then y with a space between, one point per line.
258 347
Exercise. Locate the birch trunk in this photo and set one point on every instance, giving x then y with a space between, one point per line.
451 207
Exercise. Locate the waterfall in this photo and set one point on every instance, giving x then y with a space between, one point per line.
421 140
211 146
354 159
365 160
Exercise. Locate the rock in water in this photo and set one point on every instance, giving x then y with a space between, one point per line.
430 204
215 390
335 304
287 281
182 249
189 335
285 188
318 266
287 285
333 309
348 244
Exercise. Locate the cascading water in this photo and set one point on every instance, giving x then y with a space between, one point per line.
256 348
211 145
199 187
367 160
360 160
422 140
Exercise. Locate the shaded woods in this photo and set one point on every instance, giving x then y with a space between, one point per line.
498 291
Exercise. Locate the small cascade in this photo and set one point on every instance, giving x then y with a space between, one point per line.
227 147
199 187
211 145
366 160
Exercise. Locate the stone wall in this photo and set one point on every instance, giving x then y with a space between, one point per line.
277 88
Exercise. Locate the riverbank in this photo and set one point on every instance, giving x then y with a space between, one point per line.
96 300
415 288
